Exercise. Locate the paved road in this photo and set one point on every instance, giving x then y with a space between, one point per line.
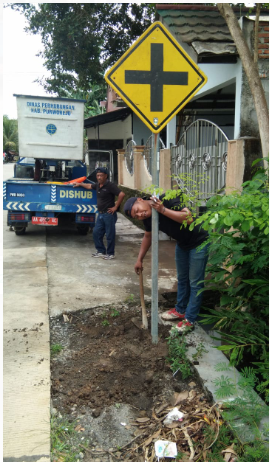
48 272
26 359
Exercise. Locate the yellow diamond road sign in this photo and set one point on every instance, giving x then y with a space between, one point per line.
156 77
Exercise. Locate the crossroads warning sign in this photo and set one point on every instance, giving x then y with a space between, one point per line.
156 77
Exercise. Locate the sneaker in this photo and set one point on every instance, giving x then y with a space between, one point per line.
97 255
108 257
185 326
172 314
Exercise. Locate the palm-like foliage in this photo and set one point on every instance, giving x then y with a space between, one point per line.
10 134
93 96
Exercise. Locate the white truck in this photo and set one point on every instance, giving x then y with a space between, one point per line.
51 158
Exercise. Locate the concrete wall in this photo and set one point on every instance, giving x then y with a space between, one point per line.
248 116
241 155
112 131
141 179
141 132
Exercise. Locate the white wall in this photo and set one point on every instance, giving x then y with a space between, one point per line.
112 131
219 76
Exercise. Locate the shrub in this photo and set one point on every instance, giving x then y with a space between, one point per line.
238 229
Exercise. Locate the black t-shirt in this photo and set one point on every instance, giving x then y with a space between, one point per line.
185 238
106 195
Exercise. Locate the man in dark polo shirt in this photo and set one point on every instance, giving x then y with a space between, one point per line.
190 259
107 217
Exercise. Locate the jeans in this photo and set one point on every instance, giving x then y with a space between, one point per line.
105 224
190 265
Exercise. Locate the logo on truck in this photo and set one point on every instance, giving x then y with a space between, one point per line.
76 194
51 129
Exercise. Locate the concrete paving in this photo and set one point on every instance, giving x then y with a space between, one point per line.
26 348
50 272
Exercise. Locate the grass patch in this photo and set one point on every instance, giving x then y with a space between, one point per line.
56 348
66 442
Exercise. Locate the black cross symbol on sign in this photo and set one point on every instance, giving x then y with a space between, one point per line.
156 77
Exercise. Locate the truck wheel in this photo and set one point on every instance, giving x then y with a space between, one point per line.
19 230
83 229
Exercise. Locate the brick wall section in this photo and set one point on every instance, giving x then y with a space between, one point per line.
263 40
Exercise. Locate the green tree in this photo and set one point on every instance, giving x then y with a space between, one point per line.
10 134
81 40
92 97
249 62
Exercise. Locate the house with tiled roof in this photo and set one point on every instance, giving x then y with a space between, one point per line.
224 102
225 99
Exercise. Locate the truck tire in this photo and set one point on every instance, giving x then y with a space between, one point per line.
19 230
83 229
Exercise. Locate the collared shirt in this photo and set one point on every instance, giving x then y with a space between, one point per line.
106 195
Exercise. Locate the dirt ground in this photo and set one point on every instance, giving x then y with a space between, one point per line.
113 381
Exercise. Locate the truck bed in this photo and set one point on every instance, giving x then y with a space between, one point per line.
29 195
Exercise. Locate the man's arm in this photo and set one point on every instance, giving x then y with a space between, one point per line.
83 185
175 215
145 246
117 204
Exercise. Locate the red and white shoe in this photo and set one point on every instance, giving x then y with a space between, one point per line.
184 327
172 315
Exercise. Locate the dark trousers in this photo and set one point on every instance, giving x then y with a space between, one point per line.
105 224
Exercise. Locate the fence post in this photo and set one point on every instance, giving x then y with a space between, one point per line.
241 154
165 172
120 162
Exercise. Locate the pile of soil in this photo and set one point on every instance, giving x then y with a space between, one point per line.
110 374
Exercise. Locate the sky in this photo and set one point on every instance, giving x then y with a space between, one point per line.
21 66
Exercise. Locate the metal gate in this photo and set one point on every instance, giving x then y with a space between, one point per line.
129 157
199 160
148 152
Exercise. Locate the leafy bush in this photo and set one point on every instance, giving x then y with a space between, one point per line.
238 229
243 411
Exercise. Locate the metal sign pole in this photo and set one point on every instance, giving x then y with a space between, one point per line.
154 305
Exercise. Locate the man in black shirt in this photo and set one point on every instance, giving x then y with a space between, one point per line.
190 260
107 217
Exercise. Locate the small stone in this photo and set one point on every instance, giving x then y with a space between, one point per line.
54 411
96 412
192 384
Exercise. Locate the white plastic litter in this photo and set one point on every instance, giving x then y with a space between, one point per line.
173 416
165 449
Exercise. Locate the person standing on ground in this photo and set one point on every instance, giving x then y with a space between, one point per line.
190 259
107 216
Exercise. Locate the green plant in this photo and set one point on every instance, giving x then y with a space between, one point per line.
130 298
56 348
180 456
10 134
178 354
200 349
243 411
115 313
238 229
105 323
64 440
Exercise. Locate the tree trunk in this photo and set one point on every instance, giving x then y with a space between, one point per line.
252 73
256 31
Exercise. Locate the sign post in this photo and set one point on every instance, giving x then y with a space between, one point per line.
156 78
154 257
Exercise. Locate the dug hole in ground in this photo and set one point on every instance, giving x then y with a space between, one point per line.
117 387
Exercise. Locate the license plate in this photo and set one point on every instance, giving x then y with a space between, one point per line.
53 207
47 221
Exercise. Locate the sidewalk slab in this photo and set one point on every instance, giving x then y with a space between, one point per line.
26 357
